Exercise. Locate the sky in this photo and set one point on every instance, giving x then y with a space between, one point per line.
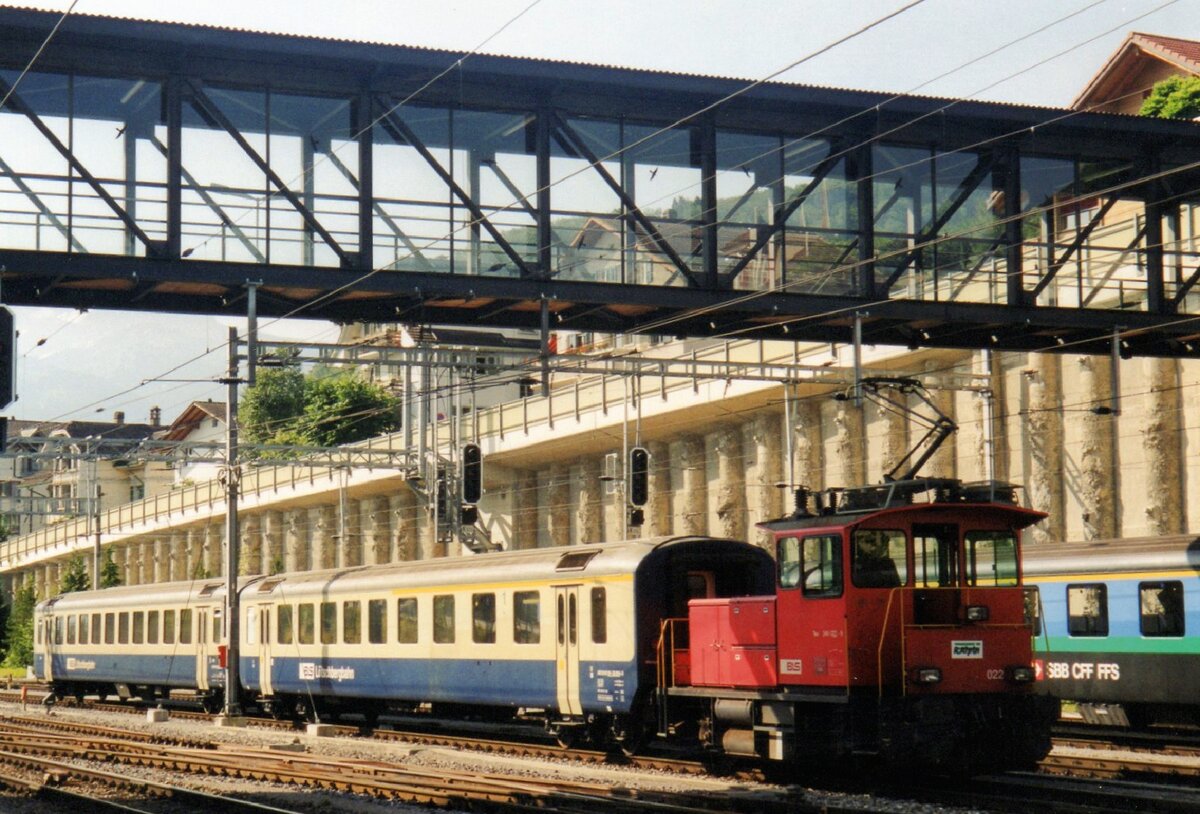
94 363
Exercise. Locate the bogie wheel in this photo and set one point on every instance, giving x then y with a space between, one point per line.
567 736
213 703
627 734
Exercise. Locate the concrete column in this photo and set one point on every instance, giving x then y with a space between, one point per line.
660 520
323 528
694 486
296 541
173 549
121 560
133 561
850 446
426 530
895 439
162 559
1162 436
53 574
194 551
558 509
807 450
214 549
1097 472
350 542
402 511
1045 443
766 500
589 516
731 479
250 555
376 530
525 510
272 542
944 463
39 583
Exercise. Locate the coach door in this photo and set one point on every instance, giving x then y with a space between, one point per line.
202 648
264 650
48 660
566 626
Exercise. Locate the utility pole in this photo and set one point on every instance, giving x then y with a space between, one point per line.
232 474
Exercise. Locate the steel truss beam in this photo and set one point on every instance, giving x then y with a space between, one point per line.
187 63
499 360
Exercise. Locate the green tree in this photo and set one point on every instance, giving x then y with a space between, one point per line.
110 574
269 411
1177 97
287 407
19 630
74 576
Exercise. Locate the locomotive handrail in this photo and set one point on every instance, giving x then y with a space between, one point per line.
887 612
666 627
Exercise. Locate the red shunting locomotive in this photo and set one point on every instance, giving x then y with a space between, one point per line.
898 628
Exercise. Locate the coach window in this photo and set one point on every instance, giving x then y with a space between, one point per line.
83 628
110 628
562 623
1087 610
185 626
71 626
169 627
218 629
599 615
377 621
139 627
352 622
306 624
878 559
58 630
283 624
991 558
483 618
152 627
328 623
406 621
572 619
96 631
1161 608
123 627
527 617
443 619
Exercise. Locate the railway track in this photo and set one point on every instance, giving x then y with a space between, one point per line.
64 744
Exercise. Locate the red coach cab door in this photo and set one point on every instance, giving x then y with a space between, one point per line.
566 648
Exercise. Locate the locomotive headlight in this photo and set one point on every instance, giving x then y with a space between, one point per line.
928 675
1021 675
977 613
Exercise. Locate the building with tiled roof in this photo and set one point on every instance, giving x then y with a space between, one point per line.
1141 61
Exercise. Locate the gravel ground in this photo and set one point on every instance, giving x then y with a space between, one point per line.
428 758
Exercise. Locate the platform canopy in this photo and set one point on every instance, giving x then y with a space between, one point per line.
165 167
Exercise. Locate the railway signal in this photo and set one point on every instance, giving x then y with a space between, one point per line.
8 358
639 476
472 473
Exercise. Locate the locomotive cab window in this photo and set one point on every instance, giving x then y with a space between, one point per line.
935 556
813 564
991 558
878 560
1161 608
1087 610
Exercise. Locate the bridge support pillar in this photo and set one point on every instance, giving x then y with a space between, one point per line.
558 504
272 542
295 541
323 528
525 510
1097 465
213 561
376 532
694 485
730 452
162 559
764 497
402 515
1164 449
660 518
589 518
250 531
1044 438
